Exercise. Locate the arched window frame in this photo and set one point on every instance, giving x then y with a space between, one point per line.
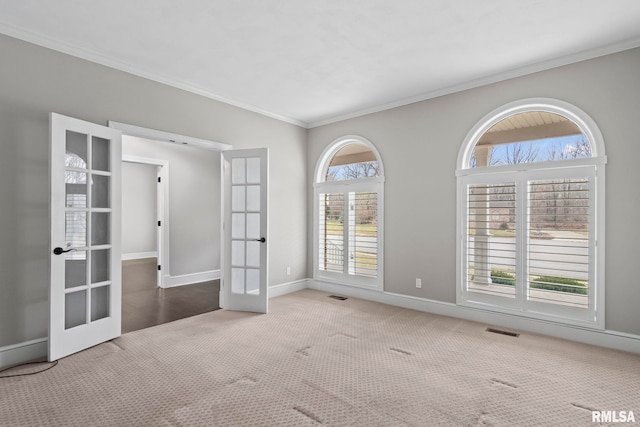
370 184
465 174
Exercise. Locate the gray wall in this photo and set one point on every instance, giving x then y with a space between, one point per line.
194 202
419 144
138 208
35 81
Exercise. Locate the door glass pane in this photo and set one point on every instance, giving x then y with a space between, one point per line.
253 226
75 189
100 154
253 170
75 309
237 226
238 198
75 229
237 252
76 150
253 254
238 171
237 280
253 198
100 302
75 269
100 191
253 281
100 225
100 265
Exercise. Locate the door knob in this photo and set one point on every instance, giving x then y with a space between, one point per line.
59 250
261 240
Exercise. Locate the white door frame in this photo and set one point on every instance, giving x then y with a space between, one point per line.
162 212
172 138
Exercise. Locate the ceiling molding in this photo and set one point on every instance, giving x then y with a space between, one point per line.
494 78
91 56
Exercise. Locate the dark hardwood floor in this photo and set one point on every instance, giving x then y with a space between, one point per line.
144 304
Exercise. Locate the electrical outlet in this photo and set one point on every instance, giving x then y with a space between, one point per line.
418 283
288 271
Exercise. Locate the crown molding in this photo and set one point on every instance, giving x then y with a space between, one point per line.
494 78
92 56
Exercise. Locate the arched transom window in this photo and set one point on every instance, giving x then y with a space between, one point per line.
531 204
348 214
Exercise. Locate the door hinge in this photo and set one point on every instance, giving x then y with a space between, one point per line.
159 223
159 267
159 179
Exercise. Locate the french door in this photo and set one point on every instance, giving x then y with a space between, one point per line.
85 274
244 230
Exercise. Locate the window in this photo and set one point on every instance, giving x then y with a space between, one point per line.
531 214
348 214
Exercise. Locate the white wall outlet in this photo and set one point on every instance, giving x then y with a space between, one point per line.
418 283
288 271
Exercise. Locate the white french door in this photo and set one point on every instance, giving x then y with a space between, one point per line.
244 230
85 275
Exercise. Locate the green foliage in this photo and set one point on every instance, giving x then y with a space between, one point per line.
504 226
499 277
559 284
549 283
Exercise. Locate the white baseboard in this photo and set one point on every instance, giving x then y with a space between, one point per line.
139 255
23 352
287 288
189 279
610 339
12 355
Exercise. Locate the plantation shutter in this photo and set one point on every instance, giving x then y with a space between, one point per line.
331 232
529 241
558 248
363 234
491 239
348 233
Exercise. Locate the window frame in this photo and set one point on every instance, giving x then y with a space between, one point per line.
371 184
594 317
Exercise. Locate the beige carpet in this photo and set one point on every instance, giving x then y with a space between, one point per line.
314 360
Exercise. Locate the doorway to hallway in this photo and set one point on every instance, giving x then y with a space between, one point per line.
145 304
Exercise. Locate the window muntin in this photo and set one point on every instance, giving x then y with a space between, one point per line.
348 244
536 252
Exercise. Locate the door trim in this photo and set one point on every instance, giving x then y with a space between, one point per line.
162 209
172 138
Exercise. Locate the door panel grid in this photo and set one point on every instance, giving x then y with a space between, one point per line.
85 227
244 250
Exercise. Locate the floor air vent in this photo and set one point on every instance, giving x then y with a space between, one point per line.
498 331
338 297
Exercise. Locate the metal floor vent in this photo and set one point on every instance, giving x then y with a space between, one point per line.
338 297
498 331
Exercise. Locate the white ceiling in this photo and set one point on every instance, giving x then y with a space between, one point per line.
312 62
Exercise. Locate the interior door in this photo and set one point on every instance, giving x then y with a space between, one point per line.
85 283
244 230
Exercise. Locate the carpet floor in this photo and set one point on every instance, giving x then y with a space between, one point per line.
314 360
